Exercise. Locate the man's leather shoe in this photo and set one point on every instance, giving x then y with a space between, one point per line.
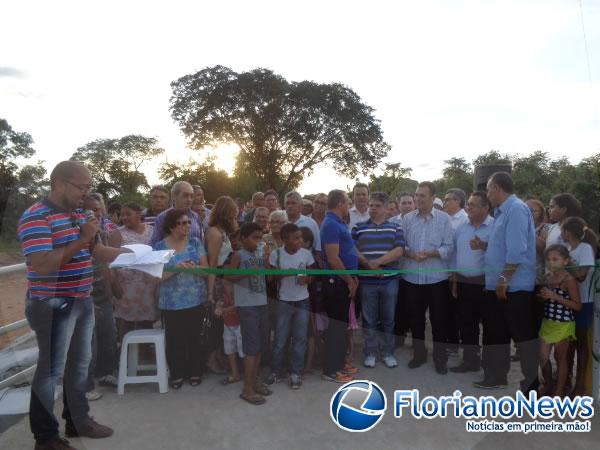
56 443
416 362
441 368
465 367
88 428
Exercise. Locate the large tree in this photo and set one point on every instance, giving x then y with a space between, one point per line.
394 180
115 164
20 184
284 129
215 182
457 173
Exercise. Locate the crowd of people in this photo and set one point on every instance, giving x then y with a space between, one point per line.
485 270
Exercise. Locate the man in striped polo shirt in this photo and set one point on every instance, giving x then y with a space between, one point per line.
380 244
58 241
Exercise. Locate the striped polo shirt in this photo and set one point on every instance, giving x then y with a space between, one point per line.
45 227
374 241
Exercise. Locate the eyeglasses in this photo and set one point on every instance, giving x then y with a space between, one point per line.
83 188
184 222
447 199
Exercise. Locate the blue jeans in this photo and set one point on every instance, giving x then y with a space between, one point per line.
63 329
379 307
292 318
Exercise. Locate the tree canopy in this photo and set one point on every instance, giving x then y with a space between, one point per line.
284 129
394 180
19 185
215 182
115 164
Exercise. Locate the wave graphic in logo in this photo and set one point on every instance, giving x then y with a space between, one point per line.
358 406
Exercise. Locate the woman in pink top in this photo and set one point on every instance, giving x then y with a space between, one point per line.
135 292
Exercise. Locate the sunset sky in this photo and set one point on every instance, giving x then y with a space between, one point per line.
446 78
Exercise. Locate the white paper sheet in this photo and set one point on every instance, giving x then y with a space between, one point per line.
143 258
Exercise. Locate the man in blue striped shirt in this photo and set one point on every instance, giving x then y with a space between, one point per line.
429 248
380 244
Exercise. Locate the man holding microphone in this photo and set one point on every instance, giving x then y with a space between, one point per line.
58 241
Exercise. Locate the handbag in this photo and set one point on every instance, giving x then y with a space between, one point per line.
208 320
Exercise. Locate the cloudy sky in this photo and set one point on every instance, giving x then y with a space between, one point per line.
446 78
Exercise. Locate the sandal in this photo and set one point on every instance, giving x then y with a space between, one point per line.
176 384
195 381
263 390
253 399
230 380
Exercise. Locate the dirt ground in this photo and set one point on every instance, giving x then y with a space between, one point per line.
12 297
8 258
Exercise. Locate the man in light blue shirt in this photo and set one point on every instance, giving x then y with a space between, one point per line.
429 248
468 280
509 283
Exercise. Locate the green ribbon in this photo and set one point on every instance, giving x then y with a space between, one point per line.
326 272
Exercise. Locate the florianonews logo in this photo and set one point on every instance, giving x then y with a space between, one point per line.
358 406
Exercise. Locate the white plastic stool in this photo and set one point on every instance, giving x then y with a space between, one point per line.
128 364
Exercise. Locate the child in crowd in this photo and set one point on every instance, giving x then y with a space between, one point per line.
561 295
583 245
232 335
250 297
293 306
318 317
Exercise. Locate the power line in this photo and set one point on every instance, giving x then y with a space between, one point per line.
587 53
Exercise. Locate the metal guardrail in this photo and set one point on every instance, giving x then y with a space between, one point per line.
9 270
15 268
13 326
27 373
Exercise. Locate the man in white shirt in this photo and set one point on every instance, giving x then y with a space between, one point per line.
360 211
293 208
454 205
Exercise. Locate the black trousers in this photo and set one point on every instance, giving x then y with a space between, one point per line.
420 298
452 322
402 317
186 353
537 311
337 303
471 299
503 320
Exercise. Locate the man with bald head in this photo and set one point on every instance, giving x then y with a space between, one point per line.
58 242
182 195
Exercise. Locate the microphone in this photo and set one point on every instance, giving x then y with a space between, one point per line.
90 215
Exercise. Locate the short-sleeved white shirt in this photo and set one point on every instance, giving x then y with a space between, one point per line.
583 255
289 289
